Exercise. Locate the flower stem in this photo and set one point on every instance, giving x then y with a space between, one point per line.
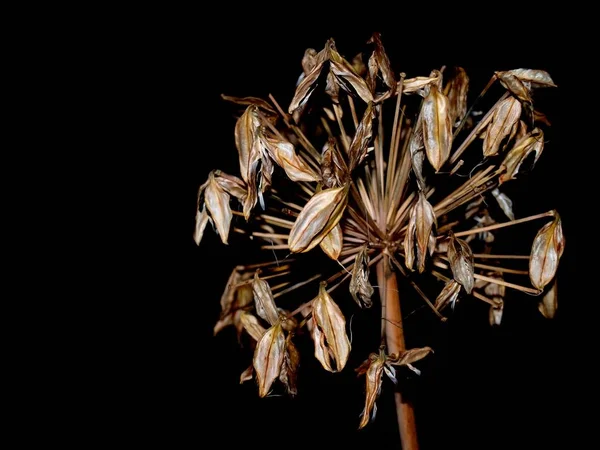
394 333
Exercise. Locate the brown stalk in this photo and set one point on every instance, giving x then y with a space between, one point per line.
394 338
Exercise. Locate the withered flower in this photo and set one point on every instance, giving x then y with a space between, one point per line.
368 165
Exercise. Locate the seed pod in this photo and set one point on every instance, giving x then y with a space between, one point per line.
460 257
360 287
268 358
546 251
437 128
318 217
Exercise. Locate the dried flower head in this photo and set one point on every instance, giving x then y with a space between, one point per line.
364 169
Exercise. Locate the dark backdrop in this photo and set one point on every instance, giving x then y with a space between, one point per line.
484 387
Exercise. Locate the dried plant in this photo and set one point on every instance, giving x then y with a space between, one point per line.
366 169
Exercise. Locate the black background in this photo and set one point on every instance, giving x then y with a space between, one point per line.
483 388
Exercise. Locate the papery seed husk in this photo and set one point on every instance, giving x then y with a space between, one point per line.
373 389
505 203
532 142
437 128
537 78
268 358
546 250
318 217
460 258
362 138
515 86
456 90
202 219
284 155
505 116
448 295
360 287
289 368
332 346
495 314
247 143
217 202
263 299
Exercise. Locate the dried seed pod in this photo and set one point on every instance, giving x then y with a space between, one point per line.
421 227
217 202
505 203
289 368
282 152
318 217
515 86
263 299
547 248
407 357
536 78
437 127
332 346
362 138
334 171
373 368
448 296
201 221
505 118
456 90
460 257
268 358
360 287
532 142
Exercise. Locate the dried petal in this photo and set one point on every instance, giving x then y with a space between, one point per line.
252 326
456 90
268 358
421 227
505 118
360 142
407 357
537 78
284 155
437 127
505 203
201 221
289 368
360 287
332 242
515 86
373 389
332 346
217 202
549 302
547 248
460 257
532 142
248 101
449 295
495 316
318 217
263 298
